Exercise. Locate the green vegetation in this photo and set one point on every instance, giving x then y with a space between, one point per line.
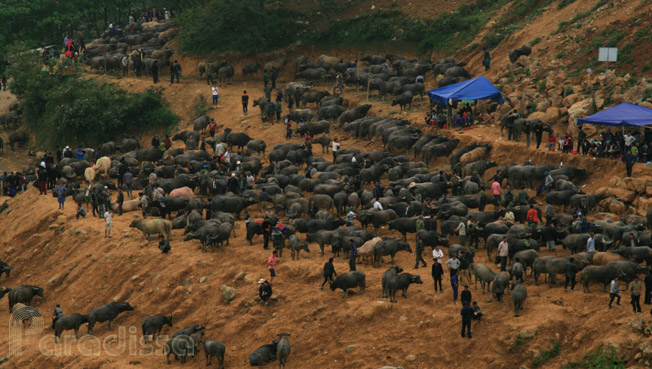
625 52
236 25
568 90
535 41
605 358
546 355
563 3
519 13
60 105
201 107
520 341
579 16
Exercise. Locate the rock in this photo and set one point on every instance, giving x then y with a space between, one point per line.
528 333
646 350
53 279
413 357
75 232
543 105
228 293
253 277
579 109
240 276
403 318
638 324
350 348
134 277
61 219
622 194
203 279
156 277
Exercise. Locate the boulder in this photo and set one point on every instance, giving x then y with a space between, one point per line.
571 99
579 109
543 105
228 293
622 194
638 324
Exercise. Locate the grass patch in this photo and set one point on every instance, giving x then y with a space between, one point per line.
578 17
535 41
624 54
568 90
646 67
518 343
547 355
532 107
605 358
519 13
563 3
201 107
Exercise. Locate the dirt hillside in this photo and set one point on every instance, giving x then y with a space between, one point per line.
81 270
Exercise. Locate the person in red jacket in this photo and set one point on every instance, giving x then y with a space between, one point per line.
532 216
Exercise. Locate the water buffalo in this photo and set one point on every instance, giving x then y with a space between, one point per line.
107 312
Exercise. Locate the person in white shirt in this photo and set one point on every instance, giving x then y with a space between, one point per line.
108 215
214 91
354 159
378 205
437 255
336 146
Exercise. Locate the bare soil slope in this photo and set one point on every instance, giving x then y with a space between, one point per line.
82 270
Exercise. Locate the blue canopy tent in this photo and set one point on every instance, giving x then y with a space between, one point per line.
473 89
621 115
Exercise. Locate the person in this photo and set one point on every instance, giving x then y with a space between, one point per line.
496 192
80 153
549 235
143 204
437 273
56 315
550 213
419 254
516 271
274 76
42 180
509 217
461 231
614 293
245 102
81 212
378 190
538 132
312 209
350 217
532 216
437 255
127 179
526 129
266 232
278 241
635 294
156 142
454 286
120 200
271 265
164 244
632 240
352 256
477 311
648 287
590 244
547 183
468 315
453 265
167 142
339 85
215 93
125 65
61 195
378 205
629 161
335 147
177 71
465 296
486 59
108 223
503 253
154 71
264 290
329 272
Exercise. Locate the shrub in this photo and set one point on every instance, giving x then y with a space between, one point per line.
605 358
546 355
61 106
563 3
238 25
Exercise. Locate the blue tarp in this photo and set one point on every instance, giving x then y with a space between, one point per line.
473 89
624 114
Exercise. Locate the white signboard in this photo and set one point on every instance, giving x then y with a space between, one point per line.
608 54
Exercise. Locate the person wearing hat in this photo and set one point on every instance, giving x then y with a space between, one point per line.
264 290
461 231
67 153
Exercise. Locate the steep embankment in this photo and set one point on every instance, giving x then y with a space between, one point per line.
81 270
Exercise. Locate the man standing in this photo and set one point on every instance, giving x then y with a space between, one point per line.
629 160
274 76
614 292
125 65
335 148
635 294
453 264
466 296
437 273
120 200
486 61
570 272
495 191
177 70
461 230
266 232
214 93
419 254
154 70
352 256
467 315
245 102
590 244
538 132
503 253
329 272
648 287
437 255
61 195
108 223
